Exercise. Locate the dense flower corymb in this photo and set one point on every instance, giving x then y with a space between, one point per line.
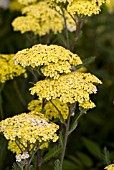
41 19
83 7
72 87
8 70
53 60
28 128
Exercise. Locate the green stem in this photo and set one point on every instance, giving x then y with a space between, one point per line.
79 23
34 74
65 139
22 168
68 131
17 142
33 155
66 30
59 113
73 127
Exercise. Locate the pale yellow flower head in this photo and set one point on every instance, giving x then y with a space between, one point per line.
109 167
53 60
28 128
41 19
8 70
68 88
83 7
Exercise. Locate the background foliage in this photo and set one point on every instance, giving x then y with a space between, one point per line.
91 145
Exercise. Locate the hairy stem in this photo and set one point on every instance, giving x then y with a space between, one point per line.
65 139
79 23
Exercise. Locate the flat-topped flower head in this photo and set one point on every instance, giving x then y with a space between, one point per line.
85 7
29 129
68 88
8 70
52 110
82 7
109 167
41 19
52 60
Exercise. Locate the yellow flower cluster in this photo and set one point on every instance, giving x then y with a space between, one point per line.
71 87
54 109
7 68
41 19
110 167
53 60
83 7
28 128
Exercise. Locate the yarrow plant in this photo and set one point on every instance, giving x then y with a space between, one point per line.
61 90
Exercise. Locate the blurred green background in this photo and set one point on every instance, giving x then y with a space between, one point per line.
91 146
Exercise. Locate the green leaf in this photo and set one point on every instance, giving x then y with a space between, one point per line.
68 165
86 61
15 167
73 126
85 159
51 154
76 160
92 147
57 165
107 156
